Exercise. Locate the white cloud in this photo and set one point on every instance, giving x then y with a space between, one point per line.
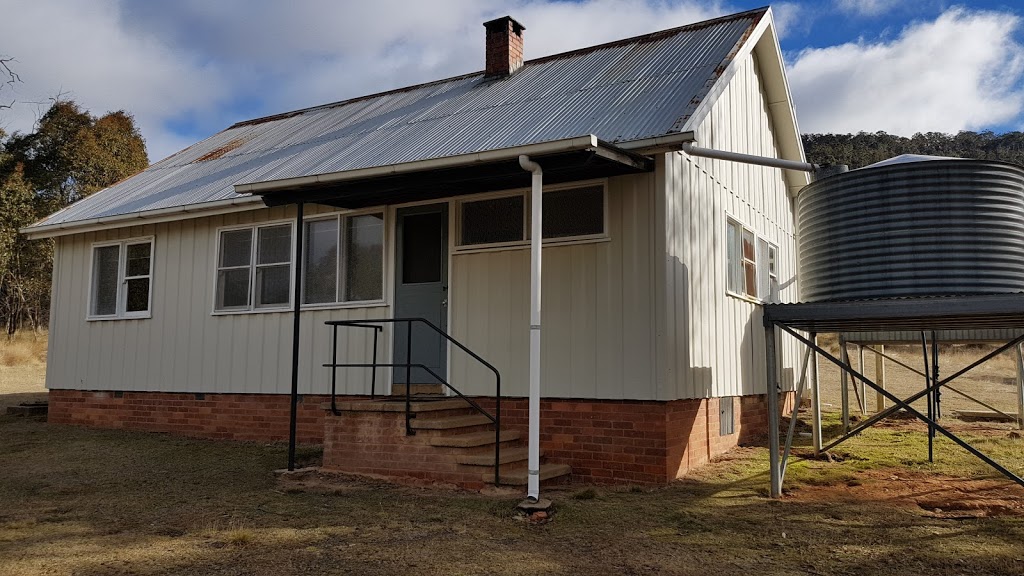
790 17
867 8
961 71
87 55
188 68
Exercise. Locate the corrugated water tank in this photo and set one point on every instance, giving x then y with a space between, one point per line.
913 226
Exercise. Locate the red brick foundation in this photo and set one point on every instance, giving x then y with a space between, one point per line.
605 441
647 442
261 417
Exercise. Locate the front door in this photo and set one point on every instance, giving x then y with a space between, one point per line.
421 289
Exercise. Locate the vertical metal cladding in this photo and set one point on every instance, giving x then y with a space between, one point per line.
927 228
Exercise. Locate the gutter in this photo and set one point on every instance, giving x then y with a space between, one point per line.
140 218
588 142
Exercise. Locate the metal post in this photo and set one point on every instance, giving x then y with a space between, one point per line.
296 296
880 377
536 238
937 403
1020 386
772 389
795 414
928 397
334 370
863 398
408 378
373 371
816 391
844 381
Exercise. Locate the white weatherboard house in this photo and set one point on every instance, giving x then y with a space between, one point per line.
173 290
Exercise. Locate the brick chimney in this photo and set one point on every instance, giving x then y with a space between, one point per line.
504 46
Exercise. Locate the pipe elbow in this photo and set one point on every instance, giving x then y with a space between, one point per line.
529 165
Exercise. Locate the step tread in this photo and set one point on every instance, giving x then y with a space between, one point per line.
508 456
450 422
393 405
473 439
518 476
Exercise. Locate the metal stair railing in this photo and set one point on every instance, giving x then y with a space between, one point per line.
377 326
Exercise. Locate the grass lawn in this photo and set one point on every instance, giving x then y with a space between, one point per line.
76 501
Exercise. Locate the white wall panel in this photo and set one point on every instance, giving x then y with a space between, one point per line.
715 341
183 347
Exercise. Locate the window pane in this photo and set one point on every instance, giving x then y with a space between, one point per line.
275 245
235 248
272 283
364 261
750 277
763 281
233 288
748 245
491 221
104 280
574 212
138 259
137 299
734 263
421 248
321 256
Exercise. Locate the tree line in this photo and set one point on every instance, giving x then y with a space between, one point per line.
69 155
859 150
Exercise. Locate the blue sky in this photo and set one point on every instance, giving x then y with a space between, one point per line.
189 68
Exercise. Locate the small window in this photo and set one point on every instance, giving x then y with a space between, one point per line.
751 264
344 259
493 220
248 278
568 213
574 212
122 280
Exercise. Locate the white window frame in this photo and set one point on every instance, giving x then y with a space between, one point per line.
528 212
341 261
251 307
122 280
762 264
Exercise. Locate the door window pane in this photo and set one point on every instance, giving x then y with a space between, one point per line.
574 212
321 255
105 267
493 220
364 257
421 248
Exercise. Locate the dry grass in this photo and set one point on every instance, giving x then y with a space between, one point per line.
22 368
107 502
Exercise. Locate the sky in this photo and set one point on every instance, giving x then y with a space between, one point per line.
187 69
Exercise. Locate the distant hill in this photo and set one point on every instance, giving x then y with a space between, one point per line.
861 149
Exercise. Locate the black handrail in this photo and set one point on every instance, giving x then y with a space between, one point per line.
409 365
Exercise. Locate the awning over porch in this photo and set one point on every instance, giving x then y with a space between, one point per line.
566 160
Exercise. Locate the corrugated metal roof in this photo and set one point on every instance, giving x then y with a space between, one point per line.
632 89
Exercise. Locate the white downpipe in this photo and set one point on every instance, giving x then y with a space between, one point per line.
533 457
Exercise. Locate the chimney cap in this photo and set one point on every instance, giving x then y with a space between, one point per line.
500 23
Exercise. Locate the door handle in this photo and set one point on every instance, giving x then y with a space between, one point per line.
444 303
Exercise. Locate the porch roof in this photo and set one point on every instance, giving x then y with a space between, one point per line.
563 160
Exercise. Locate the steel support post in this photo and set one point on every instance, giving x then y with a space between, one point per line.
296 294
1020 386
863 397
816 392
844 382
772 389
929 397
880 377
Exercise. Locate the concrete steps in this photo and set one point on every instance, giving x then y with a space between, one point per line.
518 476
474 439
